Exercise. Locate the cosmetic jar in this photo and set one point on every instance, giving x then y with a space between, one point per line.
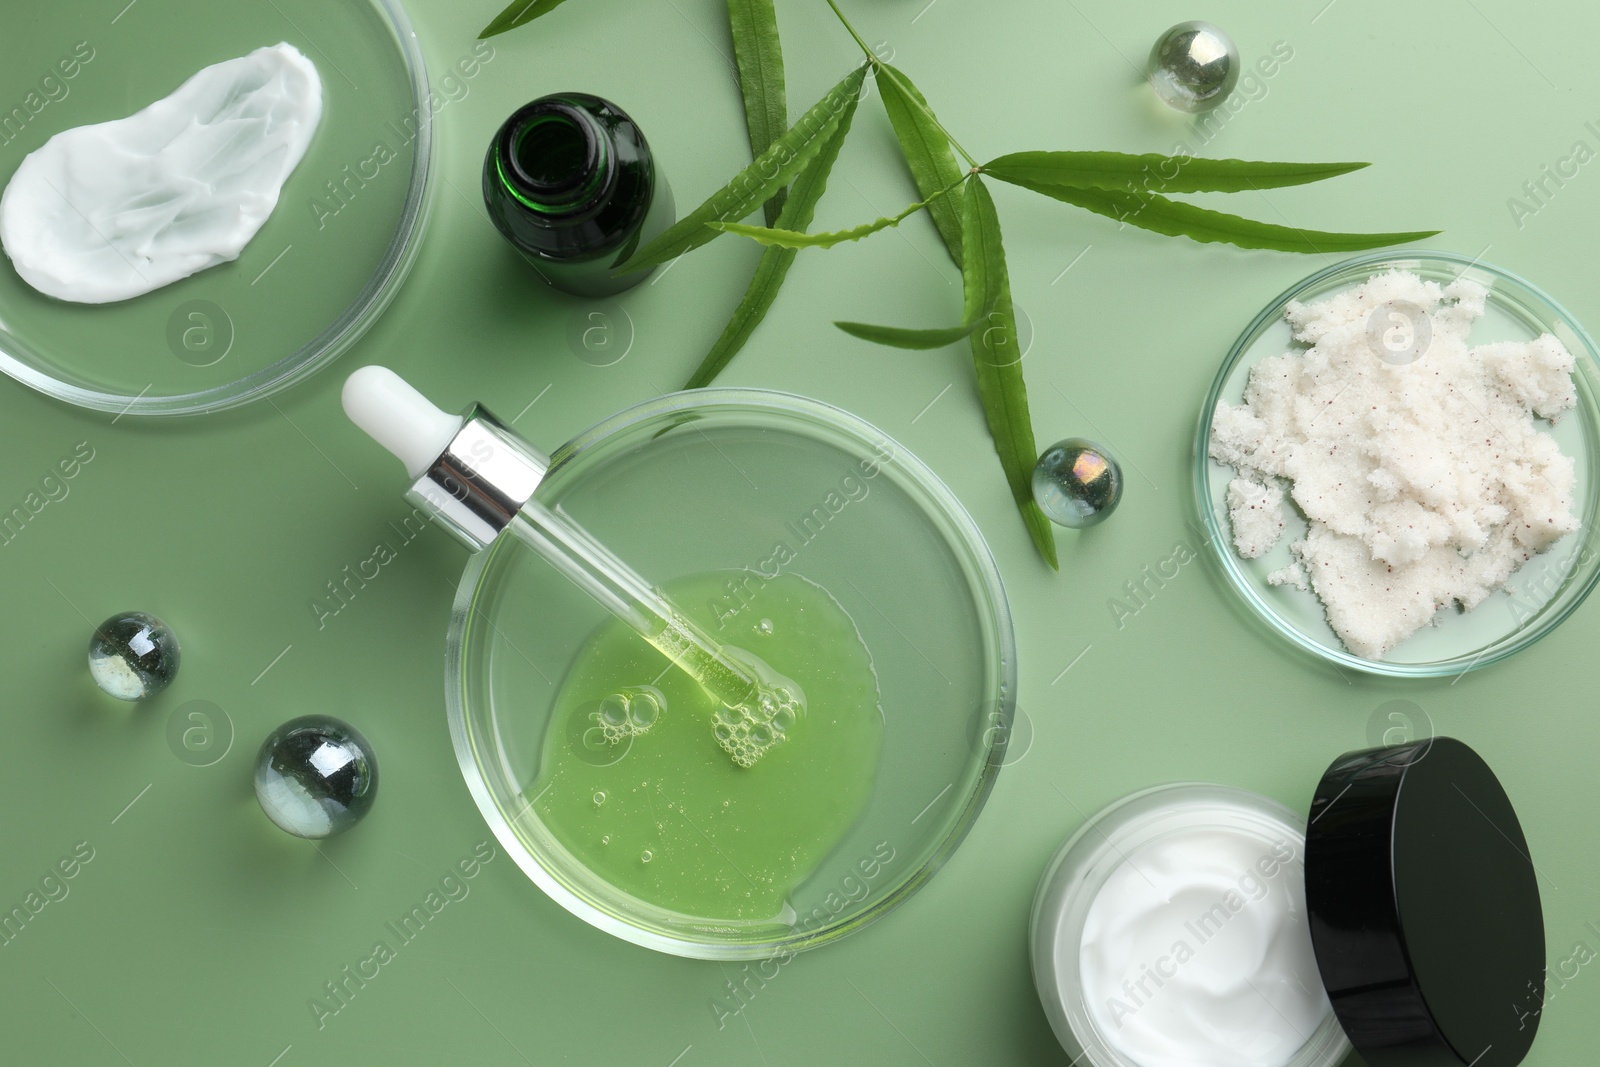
1202 924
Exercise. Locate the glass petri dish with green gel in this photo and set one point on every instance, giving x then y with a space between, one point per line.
314 278
1541 594
798 533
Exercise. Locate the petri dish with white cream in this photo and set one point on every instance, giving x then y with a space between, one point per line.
1200 925
248 252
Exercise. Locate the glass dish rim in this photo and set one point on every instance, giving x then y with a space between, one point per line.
1065 879
340 334
1217 536
968 540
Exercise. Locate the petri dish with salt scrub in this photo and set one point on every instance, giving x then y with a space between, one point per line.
318 273
1539 595
794 532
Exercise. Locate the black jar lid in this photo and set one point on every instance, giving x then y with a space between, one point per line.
1424 908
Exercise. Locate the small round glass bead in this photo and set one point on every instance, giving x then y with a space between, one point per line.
1077 483
1193 66
133 656
316 776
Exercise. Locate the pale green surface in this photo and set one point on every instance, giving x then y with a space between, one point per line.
198 932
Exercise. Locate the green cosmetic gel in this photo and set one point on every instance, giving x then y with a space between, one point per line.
637 788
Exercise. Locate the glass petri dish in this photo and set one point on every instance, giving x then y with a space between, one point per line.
714 479
1542 593
320 271
1079 870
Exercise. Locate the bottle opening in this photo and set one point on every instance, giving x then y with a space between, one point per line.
552 152
554 156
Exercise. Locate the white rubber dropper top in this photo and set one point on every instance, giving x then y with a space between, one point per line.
398 417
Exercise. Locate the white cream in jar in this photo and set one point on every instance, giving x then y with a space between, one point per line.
1172 931
1195 951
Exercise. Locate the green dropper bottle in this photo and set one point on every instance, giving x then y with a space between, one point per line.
570 181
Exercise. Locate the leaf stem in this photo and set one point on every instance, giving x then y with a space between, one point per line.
877 68
871 56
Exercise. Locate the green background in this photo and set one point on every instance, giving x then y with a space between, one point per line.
198 932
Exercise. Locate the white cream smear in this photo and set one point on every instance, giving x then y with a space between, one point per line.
1425 481
113 210
1196 953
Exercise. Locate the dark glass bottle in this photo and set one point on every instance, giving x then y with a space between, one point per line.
569 180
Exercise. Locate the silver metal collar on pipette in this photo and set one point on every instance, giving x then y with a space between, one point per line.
480 481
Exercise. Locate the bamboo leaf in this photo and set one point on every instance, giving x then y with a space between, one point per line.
926 148
771 171
1177 219
1151 173
978 292
983 263
797 213
759 54
517 13
902 337
795 239
998 363
1001 388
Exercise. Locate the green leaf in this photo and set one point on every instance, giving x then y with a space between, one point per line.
797 213
902 337
517 13
998 363
771 171
1177 219
759 54
983 264
978 295
926 148
795 239
1152 173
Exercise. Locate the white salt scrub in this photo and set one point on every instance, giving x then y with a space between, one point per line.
1425 481
107 212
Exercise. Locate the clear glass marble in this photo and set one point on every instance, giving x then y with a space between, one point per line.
1193 66
133 656
1077 483
316 776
